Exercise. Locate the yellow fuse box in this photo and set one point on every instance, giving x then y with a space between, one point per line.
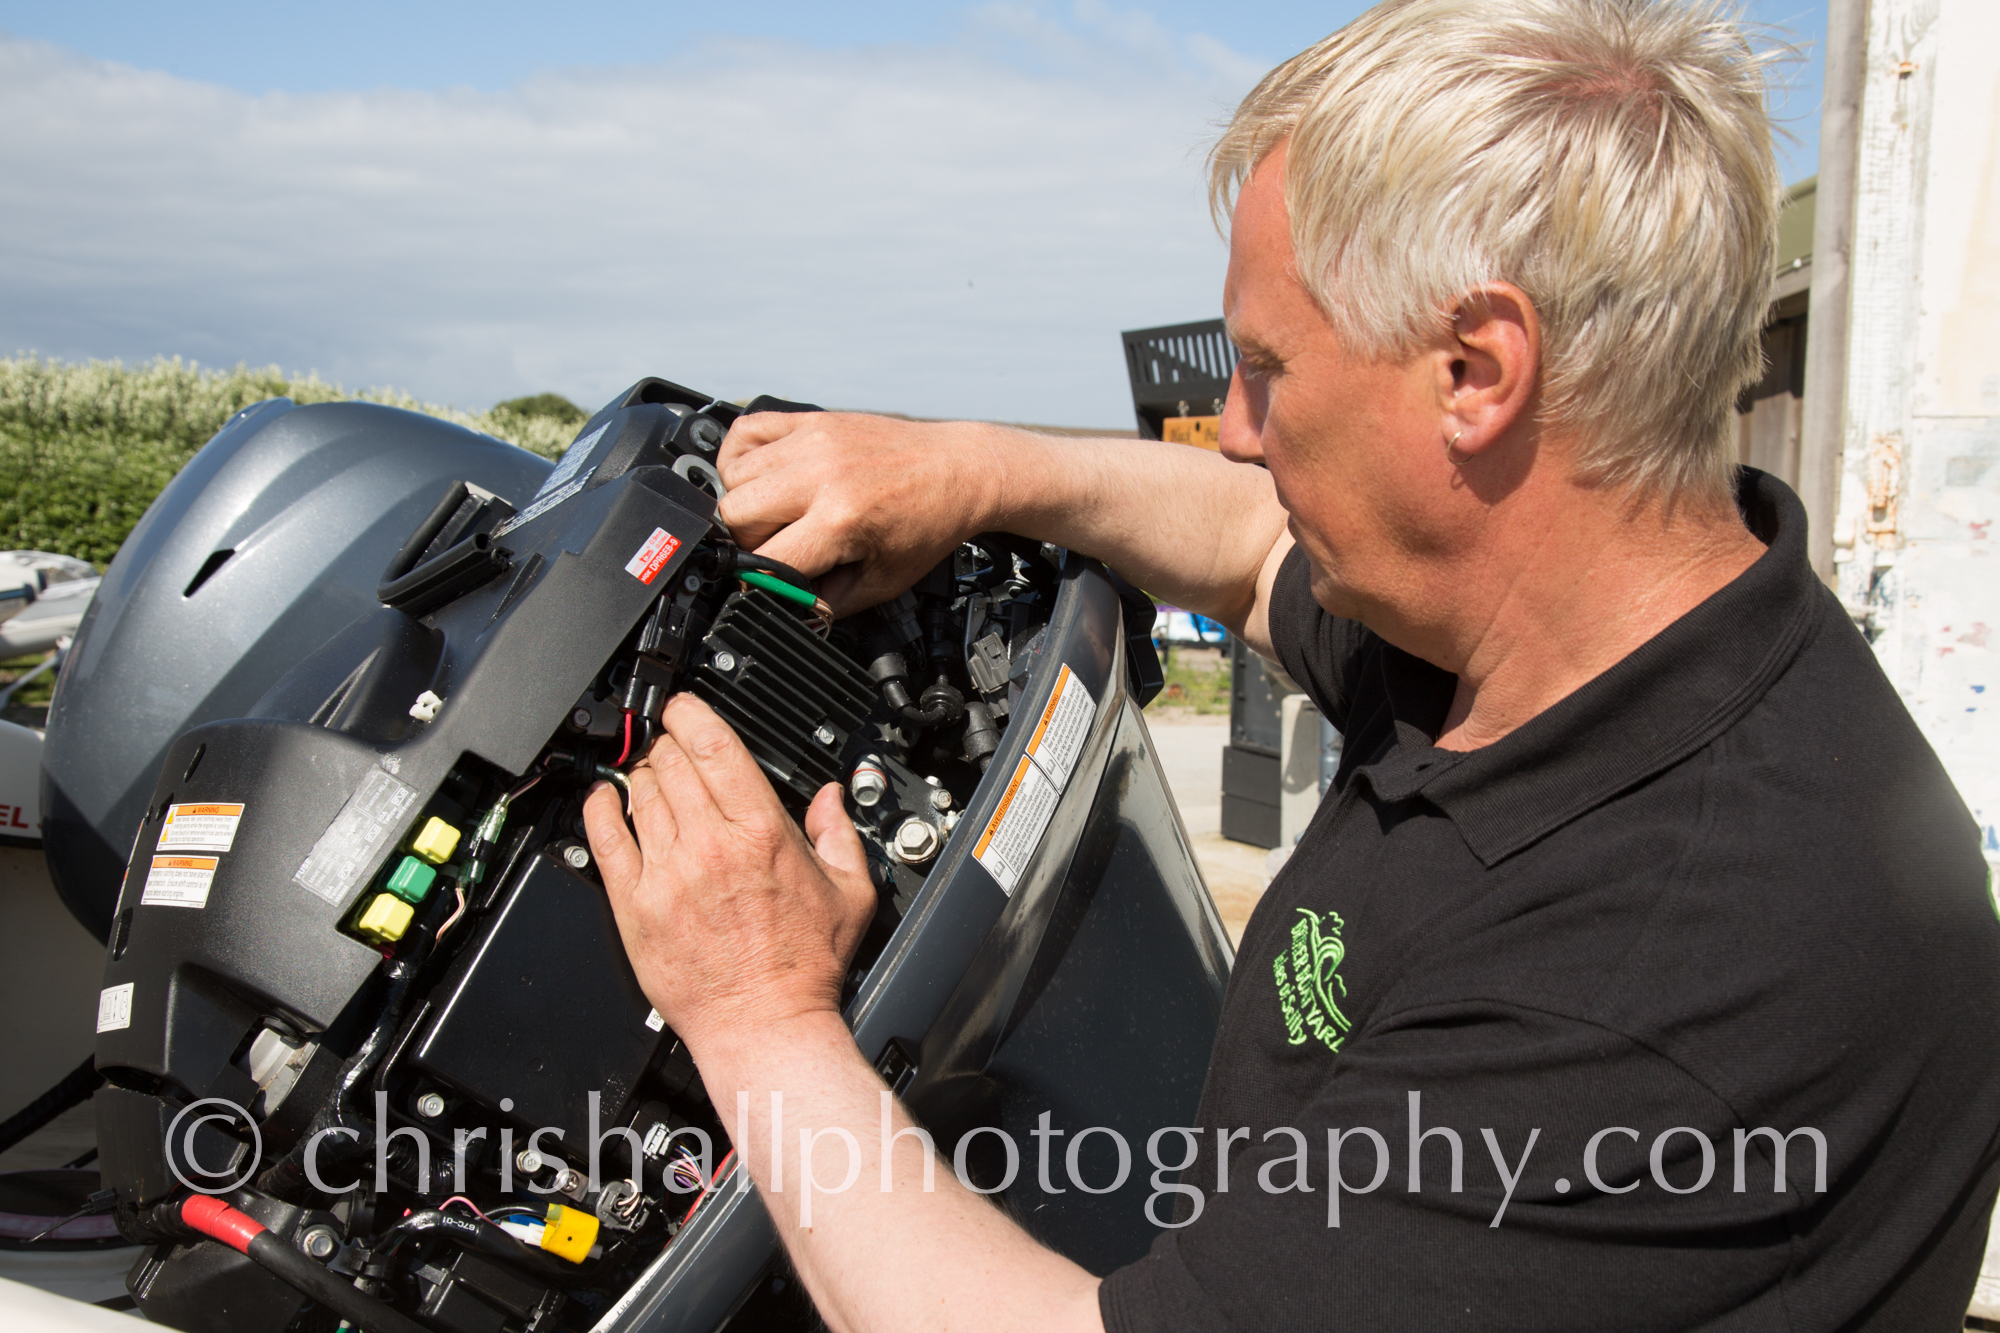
569 1232
436 841
385 920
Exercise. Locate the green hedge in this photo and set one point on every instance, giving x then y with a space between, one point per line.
85 448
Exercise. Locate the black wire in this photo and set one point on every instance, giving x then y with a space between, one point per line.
742 559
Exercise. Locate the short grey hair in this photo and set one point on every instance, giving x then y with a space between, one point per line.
1611 158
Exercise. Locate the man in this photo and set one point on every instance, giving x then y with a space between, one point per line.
1639 902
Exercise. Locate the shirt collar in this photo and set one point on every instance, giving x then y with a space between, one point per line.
1672 695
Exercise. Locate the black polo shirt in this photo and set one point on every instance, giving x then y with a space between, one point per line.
1724 887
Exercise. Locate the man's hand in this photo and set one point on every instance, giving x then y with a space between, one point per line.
732 919
870 502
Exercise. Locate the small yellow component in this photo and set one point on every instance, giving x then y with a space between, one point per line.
569 1232
385 920
436 842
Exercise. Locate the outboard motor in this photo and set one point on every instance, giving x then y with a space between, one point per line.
374 1049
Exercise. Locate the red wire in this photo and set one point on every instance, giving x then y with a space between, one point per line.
619 762
721 1168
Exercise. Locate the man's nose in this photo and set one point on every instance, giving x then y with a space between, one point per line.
1241 433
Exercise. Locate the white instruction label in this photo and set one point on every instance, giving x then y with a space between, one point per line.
354 842
1063 728
179 881
654 1021
543 505
200 828
573 458
1016 828
114 1008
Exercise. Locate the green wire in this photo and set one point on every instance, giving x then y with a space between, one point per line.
757 578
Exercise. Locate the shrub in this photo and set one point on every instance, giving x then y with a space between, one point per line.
85 448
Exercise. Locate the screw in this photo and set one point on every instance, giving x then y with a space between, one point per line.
320 1243
916 841
868 783
692 583
825 736
577 855
529 1161
568 1182
940 799
430 1106
724 660
580 718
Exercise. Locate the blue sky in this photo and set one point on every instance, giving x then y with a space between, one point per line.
936 208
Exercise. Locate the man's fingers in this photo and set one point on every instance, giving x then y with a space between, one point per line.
618 856
756 431
718 760
832 832
652 817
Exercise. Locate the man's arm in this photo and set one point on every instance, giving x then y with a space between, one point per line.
740 930
875 503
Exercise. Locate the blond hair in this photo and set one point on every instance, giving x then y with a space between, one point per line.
1611 158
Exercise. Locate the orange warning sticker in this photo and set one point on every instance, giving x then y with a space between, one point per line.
1011 836
200 828
179 881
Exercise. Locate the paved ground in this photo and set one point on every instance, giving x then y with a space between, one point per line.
1190 749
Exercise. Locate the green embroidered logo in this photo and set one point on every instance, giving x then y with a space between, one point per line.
1309 984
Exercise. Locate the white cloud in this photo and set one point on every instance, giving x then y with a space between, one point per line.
947 231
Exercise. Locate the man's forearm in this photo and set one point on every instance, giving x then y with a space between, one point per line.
810 1116
1187 524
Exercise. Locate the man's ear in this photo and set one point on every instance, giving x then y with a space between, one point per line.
1489 367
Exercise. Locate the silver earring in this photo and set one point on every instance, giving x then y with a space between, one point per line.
1450 447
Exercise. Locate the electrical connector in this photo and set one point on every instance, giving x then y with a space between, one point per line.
412 880
385 919
569 1232
436 842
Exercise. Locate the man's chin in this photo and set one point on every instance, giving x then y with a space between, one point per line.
1333 596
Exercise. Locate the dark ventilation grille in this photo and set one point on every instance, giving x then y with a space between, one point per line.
1178 370
792 699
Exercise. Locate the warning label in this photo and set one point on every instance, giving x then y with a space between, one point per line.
114 1008
647 562
200 828
1016 828
1063 728
179 881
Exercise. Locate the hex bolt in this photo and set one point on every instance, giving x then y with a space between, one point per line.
724 660
430 1106
868 784
529 1161
825 736
577 855
320 1243
580 718
916 841
940 799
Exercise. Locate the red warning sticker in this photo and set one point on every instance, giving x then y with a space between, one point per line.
646 564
